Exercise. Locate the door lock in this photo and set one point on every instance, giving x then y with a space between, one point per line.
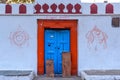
49 45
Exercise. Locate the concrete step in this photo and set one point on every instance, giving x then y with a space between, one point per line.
16 75
57 78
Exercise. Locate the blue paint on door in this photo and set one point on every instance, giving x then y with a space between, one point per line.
56 42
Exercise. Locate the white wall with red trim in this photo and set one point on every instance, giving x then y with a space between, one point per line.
83 8
18 37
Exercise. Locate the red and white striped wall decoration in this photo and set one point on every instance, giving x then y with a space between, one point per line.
60 9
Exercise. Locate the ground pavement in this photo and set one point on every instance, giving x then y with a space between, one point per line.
57 78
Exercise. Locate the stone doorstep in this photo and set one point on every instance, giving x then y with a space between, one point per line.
16 75
100 75
43 77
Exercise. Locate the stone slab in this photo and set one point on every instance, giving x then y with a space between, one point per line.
16 75
100 75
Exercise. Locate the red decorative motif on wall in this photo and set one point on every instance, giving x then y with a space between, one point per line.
77 8
53 7
59 8
19 37
93 9
8 8
37 8
109 8
45 8
69 8
22 9
97 39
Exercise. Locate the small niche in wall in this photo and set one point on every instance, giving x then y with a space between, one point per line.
116 22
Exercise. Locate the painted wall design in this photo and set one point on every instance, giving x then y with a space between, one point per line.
97 39
19 37
66 7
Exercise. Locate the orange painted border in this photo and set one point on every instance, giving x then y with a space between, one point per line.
57 24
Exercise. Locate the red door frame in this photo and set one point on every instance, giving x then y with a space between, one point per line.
57 24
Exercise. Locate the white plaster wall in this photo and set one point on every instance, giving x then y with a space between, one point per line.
57 1
24 57
2 8
14 57
15 8
116 8
89 58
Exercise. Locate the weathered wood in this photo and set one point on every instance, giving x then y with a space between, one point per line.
66 64
49 68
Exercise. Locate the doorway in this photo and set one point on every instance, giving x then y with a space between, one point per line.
69 27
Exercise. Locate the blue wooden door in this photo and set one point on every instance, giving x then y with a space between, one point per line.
56 42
